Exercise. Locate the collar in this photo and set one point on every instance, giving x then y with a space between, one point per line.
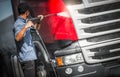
24 20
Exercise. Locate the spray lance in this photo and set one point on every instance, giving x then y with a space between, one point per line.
64 14
37 18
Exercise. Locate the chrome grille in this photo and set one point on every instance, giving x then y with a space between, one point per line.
102 52
97 24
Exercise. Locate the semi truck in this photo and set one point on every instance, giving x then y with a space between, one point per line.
94 52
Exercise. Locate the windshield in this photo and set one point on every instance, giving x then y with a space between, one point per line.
56 29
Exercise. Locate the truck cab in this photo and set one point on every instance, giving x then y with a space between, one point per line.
77 38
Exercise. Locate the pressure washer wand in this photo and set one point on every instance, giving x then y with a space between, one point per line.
37 18
50 15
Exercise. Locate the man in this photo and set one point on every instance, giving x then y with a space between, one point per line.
23 38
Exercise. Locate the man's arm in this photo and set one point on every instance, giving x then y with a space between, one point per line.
20 34
37 25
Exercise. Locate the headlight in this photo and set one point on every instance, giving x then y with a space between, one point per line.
69 59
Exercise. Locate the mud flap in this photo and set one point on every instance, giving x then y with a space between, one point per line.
16 66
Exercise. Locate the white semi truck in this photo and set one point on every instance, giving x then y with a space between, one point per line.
95 53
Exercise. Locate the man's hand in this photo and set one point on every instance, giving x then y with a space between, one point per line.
41 17
29 24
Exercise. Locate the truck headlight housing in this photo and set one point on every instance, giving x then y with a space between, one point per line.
69 59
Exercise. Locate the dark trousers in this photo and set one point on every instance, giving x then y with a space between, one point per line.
28 68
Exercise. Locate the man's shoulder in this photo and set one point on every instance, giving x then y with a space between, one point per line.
18 22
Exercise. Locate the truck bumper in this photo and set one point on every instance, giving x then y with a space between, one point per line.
85 70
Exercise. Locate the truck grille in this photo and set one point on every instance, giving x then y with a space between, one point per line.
97 24
102 52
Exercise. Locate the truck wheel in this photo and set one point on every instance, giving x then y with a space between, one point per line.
41 72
